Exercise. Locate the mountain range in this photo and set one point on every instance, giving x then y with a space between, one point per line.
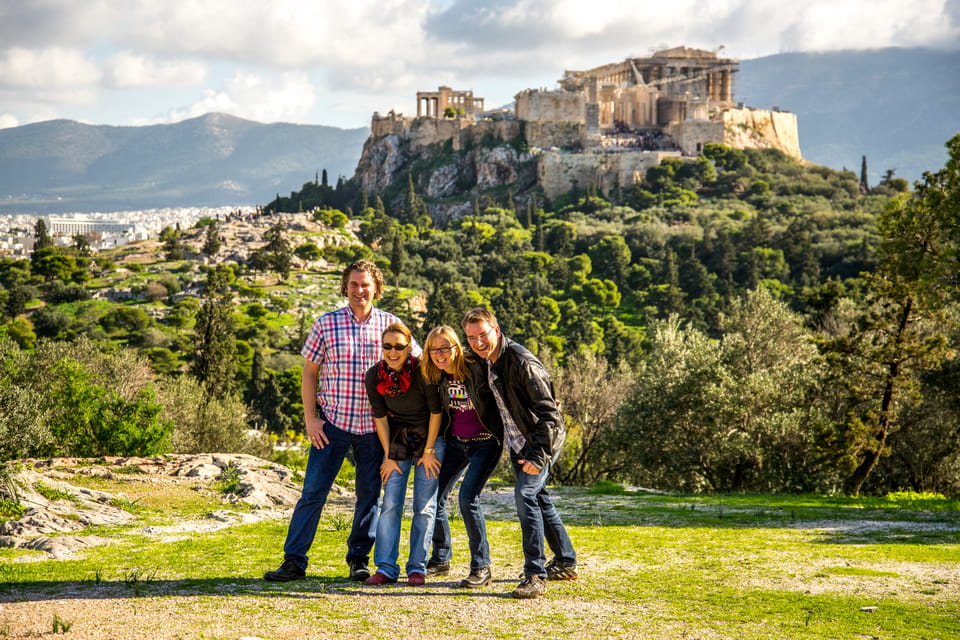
212 160
898 107
895 106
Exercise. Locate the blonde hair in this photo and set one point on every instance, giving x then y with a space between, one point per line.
431 372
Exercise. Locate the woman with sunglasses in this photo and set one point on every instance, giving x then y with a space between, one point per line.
473 432
407 414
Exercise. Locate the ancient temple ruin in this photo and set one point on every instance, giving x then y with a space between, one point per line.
436 103
603 126
669 87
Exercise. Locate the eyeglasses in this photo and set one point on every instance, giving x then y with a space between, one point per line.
441 351
395 347
475 339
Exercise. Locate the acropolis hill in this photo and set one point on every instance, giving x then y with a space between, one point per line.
602 127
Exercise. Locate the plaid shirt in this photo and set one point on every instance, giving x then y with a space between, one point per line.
511 432
345 348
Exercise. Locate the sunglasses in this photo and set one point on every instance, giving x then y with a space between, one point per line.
395 347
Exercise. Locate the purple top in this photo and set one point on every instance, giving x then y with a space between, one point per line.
465 421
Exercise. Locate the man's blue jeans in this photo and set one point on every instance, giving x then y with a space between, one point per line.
539 520
387 550
322 468
479 459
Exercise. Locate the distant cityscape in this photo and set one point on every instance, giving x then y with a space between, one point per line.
102 230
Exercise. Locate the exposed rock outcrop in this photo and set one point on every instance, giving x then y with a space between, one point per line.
57 503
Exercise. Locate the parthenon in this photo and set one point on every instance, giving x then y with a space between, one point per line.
670 86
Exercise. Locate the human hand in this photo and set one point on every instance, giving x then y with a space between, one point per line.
387 467
528 467
430 464
315 433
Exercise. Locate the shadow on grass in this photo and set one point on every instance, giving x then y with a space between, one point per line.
311 587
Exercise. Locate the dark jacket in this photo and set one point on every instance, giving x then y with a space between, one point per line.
478 388
527 391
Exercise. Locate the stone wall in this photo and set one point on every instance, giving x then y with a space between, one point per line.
546 135
428 131
505 130
691 135
741 129
550 106
558 172
390 124
762 129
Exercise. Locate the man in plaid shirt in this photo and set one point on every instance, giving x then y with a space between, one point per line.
341 346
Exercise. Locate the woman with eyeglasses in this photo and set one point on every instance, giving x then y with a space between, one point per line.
473 432
407 414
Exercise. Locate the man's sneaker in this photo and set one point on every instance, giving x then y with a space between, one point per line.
379 578
531 587
416 580
358 569
557 571
477 578
288 571
437 568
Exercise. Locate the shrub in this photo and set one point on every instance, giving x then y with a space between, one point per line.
204 424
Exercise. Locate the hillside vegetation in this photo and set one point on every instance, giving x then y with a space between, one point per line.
738 322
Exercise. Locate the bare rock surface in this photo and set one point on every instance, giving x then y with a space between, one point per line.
57 504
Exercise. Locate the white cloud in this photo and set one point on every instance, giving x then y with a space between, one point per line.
283 33
122 56
53 67
8 120
126 70
288 97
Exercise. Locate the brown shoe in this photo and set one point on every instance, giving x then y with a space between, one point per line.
557 571
477 578
530 587
437 568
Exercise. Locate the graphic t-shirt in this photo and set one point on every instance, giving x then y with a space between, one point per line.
466 422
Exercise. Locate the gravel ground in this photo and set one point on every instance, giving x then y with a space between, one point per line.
320 608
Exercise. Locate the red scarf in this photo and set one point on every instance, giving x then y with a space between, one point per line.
393 383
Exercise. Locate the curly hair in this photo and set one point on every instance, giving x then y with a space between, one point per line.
367 267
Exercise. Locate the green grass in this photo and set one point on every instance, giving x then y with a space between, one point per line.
652 566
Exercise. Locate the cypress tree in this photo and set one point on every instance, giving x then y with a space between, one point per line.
41 237
215 349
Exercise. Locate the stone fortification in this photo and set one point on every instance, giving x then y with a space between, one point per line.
741 128
603 127
423 132
558 172
540 105
548 135
762 129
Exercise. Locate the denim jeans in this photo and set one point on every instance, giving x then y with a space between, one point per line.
479 459
322 468
539 520
387 549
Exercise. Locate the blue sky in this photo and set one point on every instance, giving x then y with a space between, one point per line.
335 62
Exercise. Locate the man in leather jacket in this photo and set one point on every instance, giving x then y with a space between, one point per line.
533 434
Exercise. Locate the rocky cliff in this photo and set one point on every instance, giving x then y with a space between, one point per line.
450 164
